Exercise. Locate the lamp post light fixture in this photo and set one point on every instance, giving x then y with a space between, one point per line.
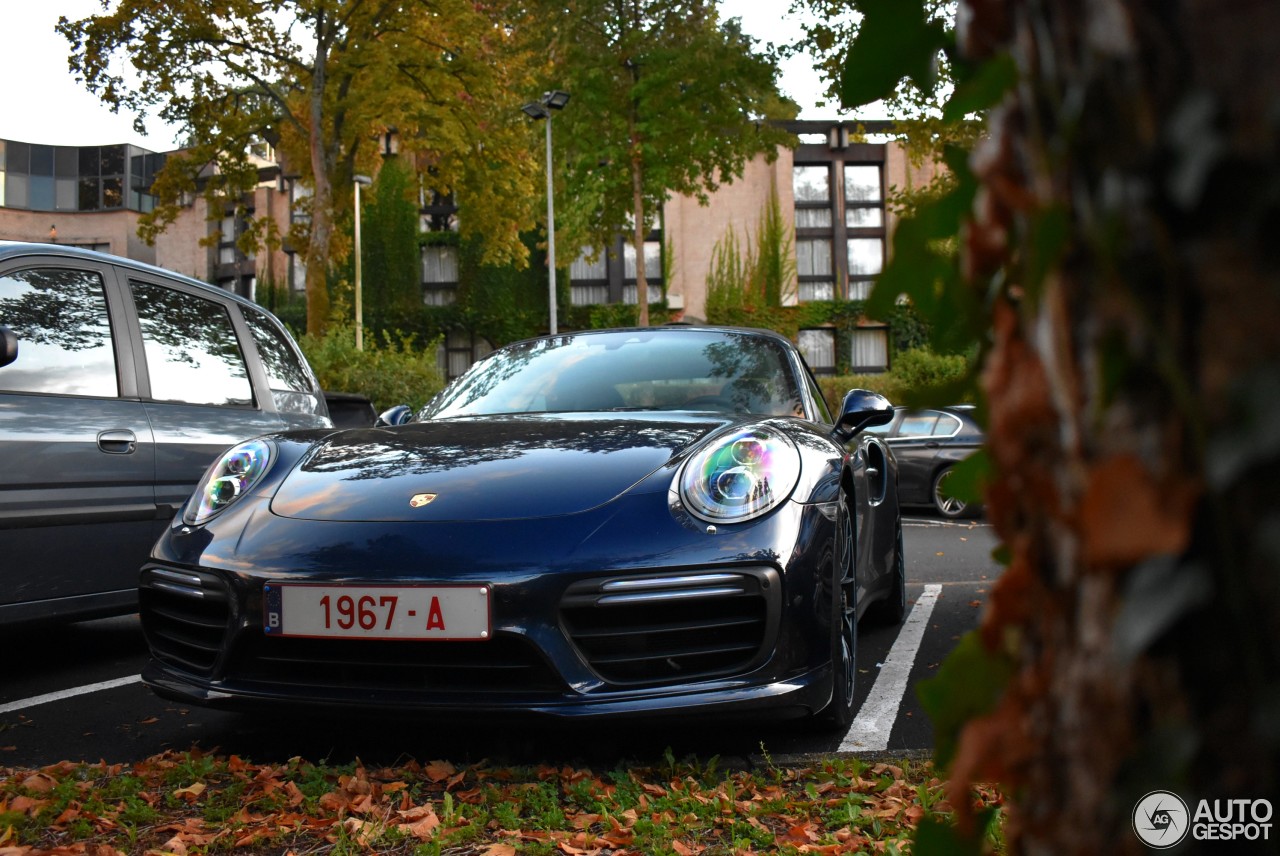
358 181
541 109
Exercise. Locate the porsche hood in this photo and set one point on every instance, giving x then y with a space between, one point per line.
482 468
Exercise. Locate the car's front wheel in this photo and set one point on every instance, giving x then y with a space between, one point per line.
838 713
947 506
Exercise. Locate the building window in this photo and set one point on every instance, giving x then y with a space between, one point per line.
459 350
297 273
814 269
230 228
866 257
814 220
439 275
864 226
870 350
652 271
589 280
611 276
812 184
818 346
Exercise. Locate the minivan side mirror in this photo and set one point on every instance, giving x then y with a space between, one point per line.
861 409
8 346
397 415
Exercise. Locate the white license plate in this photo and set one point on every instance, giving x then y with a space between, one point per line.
377 612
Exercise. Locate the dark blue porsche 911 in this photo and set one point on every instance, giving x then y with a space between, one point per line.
625 522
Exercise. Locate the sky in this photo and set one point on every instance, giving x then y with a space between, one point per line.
44 104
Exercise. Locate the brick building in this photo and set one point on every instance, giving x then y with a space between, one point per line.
831 189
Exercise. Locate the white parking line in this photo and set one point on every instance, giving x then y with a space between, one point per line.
870 729
22 704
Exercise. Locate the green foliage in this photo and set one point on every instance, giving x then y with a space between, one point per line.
501 302
753 280
392 263
914 376
666 100
391 370
896 36
320 80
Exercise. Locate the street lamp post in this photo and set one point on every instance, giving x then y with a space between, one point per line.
358 181
541 109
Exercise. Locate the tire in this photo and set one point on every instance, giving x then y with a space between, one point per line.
893 609
947 506
838 714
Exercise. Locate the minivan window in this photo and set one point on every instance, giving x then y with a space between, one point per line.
193 356
64 334
292 385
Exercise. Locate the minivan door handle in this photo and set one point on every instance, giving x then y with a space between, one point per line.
120 441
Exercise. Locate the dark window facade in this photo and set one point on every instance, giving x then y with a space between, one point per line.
610 276
77 178
839 214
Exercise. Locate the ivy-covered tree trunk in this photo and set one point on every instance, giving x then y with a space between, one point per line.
1130 192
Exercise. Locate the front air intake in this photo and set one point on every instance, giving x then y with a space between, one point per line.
673 628
185 615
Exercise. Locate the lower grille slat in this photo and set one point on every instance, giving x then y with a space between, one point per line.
497 666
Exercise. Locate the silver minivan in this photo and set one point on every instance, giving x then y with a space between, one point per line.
119 385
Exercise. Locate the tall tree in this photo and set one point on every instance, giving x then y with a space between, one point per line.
392 259
325 79
1117 228
666 98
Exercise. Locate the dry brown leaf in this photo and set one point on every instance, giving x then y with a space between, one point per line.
438 771
500 849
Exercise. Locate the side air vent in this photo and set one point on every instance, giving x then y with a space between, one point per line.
185 615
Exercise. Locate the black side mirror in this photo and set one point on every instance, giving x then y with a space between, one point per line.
861 409
8 346
397 415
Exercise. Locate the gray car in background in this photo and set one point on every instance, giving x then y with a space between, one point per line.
119 384
927 445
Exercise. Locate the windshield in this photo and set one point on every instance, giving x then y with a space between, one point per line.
666 369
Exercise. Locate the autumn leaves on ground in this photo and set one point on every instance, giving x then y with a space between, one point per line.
192 803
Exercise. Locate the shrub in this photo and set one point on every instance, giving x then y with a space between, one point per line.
920 369
389 372
914 373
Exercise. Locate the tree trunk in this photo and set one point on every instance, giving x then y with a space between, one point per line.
320 236
637 238
1132 392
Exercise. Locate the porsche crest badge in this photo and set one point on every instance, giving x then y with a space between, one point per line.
421 499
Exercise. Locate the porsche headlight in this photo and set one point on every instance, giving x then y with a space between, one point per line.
231 477
740 477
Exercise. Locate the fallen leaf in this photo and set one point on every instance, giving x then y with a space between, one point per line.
686 849
438 771
499 850
191 792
